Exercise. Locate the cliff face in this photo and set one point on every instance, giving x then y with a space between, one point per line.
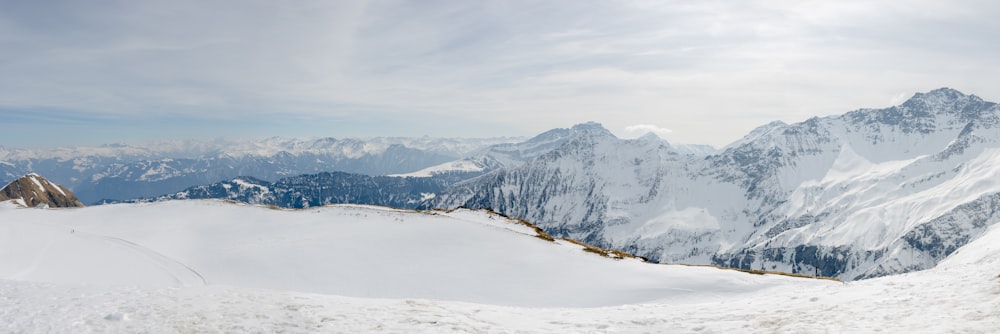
33 190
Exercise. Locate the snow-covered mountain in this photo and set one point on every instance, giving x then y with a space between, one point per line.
868 193
514 154
133 171
312 190
210 266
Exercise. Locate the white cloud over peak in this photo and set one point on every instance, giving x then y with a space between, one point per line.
641 129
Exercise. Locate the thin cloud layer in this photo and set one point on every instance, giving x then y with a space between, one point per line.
712 69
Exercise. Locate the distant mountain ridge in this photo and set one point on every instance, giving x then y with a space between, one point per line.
119 172
511 155
313 190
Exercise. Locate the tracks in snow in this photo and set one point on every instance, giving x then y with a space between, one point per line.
182 273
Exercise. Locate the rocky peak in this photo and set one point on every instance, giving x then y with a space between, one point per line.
33 190
940 94
947 101
592 128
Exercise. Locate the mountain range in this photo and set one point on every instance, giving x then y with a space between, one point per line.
122 172
312 190
868 193
864 194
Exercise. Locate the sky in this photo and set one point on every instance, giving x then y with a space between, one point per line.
695 72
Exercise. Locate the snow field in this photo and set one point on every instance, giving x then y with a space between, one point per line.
407 272
344 250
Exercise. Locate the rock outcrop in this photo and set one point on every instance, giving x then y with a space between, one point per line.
33 190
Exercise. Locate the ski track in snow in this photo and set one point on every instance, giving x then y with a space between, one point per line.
36 262
172 267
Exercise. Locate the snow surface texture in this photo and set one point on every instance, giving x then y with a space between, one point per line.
144 268
864 194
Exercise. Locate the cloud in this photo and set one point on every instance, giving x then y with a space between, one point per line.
641 129
711 69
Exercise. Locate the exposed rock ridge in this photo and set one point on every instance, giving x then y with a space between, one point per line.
33 190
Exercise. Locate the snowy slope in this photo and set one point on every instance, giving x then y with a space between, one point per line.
467 165
960 295
344 250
